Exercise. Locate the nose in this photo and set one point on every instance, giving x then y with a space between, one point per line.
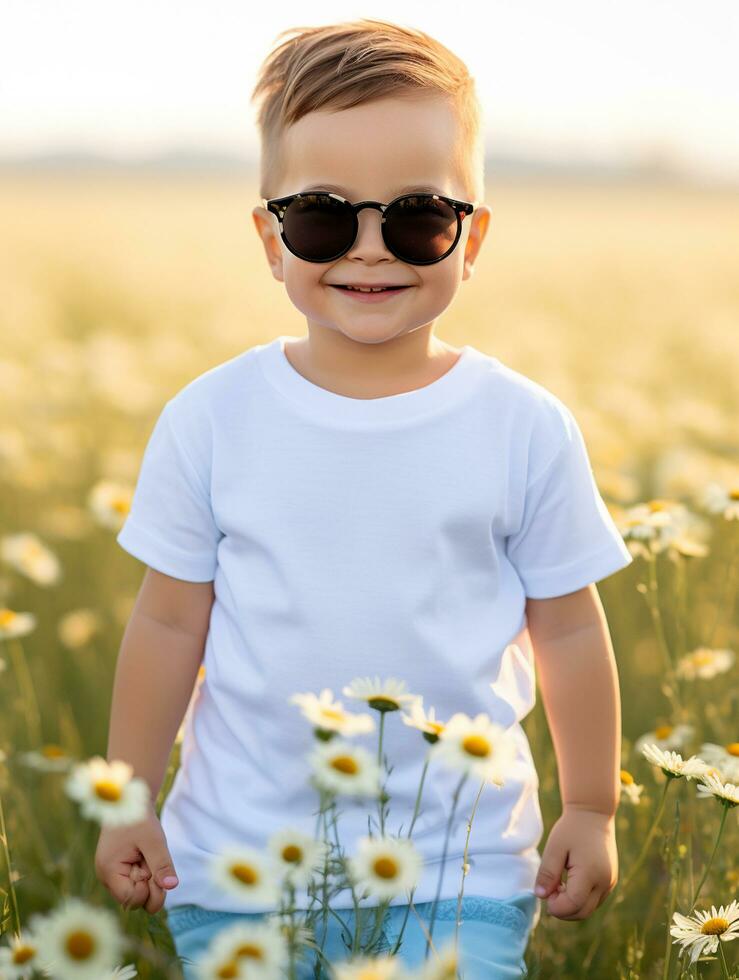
369 242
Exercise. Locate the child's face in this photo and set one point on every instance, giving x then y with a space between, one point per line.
372 152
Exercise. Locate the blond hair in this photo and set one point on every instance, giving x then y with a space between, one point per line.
338 66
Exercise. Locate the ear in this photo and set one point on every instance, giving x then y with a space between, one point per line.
479 220
264 222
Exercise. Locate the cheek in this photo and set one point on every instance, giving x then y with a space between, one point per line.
303 281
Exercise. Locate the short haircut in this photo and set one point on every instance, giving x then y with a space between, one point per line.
338 66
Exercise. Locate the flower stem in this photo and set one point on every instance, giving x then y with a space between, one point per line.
617 893
455 800
464 867
31 711
339 853
396 947
652 596
710 860
324 811
292 975
645 847
727 581
724 967
674 886
9 866
379 763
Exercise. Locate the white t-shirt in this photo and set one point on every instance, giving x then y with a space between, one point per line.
347 537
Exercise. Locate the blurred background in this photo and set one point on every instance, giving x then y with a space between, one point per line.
129 264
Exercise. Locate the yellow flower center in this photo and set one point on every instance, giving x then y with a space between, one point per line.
714 927
107 790
292 853
436 727
52 751
662 731
228 970
21 954
345 763
120 505
250 950
658 504
733 748
7 616
734 493
369 973
385 867
703 656
333 714
245 873
626 778
80 945
476 745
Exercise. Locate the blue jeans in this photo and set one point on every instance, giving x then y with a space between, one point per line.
493 934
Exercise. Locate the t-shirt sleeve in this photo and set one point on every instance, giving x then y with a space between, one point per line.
170 525
567 538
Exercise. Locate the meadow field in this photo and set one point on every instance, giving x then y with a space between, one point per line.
622 299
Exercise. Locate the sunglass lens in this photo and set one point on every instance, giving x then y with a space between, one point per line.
420 229
318 226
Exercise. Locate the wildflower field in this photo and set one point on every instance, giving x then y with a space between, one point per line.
622 299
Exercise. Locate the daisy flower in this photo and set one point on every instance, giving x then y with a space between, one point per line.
479 747
15 624
672 763
49 758
296 854
705 663
127 972
370 968
77 941
247 874
341 767
665 737
630 790
29 555
109 792
425 722
20 959
651 526
444 965
387 695
213 966
712 785
723 757
703 930
385 866
258 948
328 716
722 500
109 503
77 627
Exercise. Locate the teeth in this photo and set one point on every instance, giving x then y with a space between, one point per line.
362 289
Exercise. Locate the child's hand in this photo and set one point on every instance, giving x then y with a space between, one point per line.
124 860
584 843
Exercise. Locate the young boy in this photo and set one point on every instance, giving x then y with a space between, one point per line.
368 500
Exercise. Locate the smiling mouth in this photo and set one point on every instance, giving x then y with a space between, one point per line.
367 292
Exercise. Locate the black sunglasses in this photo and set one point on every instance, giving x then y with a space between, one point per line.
417 228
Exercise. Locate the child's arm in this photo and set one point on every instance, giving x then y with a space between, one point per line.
578 679
158 663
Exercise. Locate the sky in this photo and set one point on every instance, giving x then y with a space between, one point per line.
592 80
